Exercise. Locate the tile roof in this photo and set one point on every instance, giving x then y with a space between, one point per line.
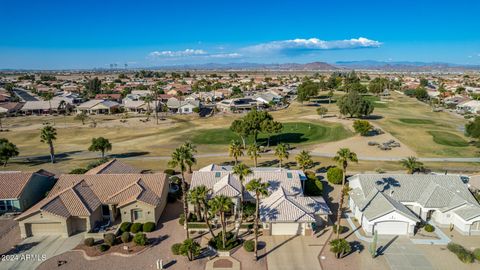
80 195
12 183
113 166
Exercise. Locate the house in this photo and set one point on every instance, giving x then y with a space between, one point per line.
268 98
20 190
78 202
237 105
114 166
182 106
112 97
38 107
10 108
286 211
98 106
394 204
472 106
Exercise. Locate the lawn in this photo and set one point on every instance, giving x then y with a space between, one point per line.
292 133
447 138
415 121
376 101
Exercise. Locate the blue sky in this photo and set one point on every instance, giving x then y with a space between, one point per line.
87 34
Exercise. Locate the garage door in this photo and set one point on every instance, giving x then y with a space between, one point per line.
285 228
45 228
391 227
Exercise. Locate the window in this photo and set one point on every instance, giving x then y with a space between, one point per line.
105 210
137 214
2 206
8 205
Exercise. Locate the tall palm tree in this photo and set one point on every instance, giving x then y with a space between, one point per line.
235 150
48 134
344 155
148 99
253 152
195 198
48 97
281 151
241 170
260 189
202 193
304 160
191 150
221 205
179 159
411 164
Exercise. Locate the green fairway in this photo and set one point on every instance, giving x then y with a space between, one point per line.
414 121
292 133
447 138
376 101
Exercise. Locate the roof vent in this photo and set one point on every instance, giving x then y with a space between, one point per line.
217 174
289 175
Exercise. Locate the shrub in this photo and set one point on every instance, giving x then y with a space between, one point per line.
429 228
181 220
140 239
169 171
249 245
217 242
89 242
363 127
125 237
175 248
335 175
125 226
462 254
476 254
149 227
342 229
78 171
249 209
313 187
136 227
103 247
109 239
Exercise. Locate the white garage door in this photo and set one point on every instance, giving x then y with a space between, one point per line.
391 227
45 228
285 228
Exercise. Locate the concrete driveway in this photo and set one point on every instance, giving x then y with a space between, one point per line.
32 251
292 252
402 254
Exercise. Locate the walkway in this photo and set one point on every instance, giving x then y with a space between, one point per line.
223 263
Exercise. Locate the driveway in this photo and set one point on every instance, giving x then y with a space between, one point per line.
291 252
402 254
32 251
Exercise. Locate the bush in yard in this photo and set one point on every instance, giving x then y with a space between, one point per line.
149 227
125 237
181 220
109 239
476 254
335 175
340 247
175 248
429 228
136 227
462 254
248 209
103 247
125 226
249 245
89 242
363 127
140 239
342 229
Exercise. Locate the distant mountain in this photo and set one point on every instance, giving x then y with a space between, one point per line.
404 66
252 66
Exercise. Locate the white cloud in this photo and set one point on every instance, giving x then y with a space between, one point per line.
313 44
224 55
186 52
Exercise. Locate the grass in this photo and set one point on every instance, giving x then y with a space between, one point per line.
292 133
376 101
447 138
415 121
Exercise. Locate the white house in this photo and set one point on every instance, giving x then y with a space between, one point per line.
393 204
286 211
98 106
472 106
182 106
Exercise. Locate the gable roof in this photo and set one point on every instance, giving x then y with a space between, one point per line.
378 204
12 183
229 186
80 195
113 166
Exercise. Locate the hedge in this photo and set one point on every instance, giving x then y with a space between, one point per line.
476 254
125 226
335 175
136 227
140 239
109 239
249 245
89 242
125 237
462 254
149 227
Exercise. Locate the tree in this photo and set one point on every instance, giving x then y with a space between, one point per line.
202 194
239 127
190 248
372 248
271 127
221 205
423 82
354 105
93 87
322 111
330 95
253 152
191 150
260 189
362 126
340 247
48 97
335 175
179 159
306 90
81 117
8 150
235 150
241 170
100 144
253 122
343 156
195 198
472 129
48 134
304 160
412 164
281 151
148 99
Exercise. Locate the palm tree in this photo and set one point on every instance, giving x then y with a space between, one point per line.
82 117
260 189
235 150
242 171
191 150
412 164
220 205
340 247
253 152
190 248
304 160
281 151
148 99
202 193
196 200
344 155
48 97
48 134
179 159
